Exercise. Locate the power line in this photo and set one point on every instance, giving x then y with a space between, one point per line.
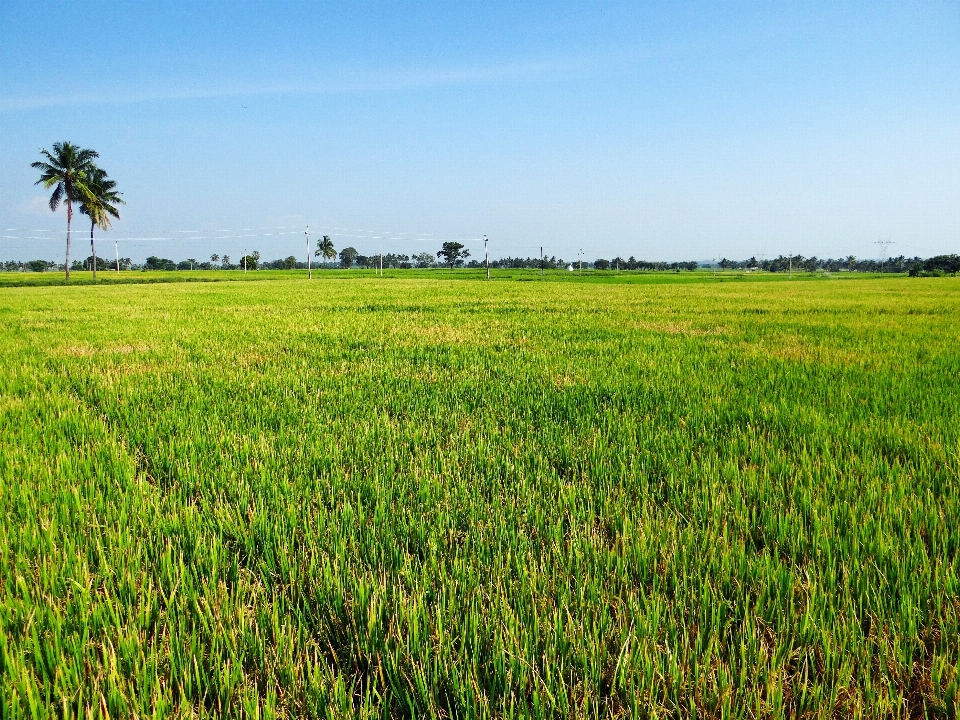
884 246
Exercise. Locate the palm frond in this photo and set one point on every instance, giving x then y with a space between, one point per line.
85 156
54 159
111 210
47 168
83 193
98 196
57 196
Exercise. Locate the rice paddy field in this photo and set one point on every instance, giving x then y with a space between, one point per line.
422 497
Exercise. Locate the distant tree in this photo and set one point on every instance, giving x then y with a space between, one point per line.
325 249
214 258
226 261
37 265
97 263
394 260
251 261
423 260
452 253
155 263
290 262
943 263
347 257
601 264
192 261
65 170
899 264
781 263
851 262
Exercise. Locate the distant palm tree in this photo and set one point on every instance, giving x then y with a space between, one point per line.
65 170
214 258
226 259
100 204
325 249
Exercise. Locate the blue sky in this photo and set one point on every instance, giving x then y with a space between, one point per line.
664 131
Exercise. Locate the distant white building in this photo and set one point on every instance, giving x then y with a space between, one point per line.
570 268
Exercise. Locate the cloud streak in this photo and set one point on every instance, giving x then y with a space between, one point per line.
340 83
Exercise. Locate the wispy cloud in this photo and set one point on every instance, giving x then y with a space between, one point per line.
343 82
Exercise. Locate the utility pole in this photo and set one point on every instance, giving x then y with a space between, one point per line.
791 266
581 261
541 261
381 259
486 256
116 249
309 264
244 261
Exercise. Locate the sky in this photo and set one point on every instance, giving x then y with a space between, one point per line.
666 131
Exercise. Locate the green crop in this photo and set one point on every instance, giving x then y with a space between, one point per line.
412 497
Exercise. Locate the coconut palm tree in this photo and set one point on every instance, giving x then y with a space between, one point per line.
325 249
65 170
100 204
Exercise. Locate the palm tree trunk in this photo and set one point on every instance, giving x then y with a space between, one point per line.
66 258
93 252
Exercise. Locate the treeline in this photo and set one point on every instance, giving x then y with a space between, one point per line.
631 263
50 266
939 264
350 258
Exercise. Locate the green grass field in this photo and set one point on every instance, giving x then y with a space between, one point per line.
413 497
137 277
